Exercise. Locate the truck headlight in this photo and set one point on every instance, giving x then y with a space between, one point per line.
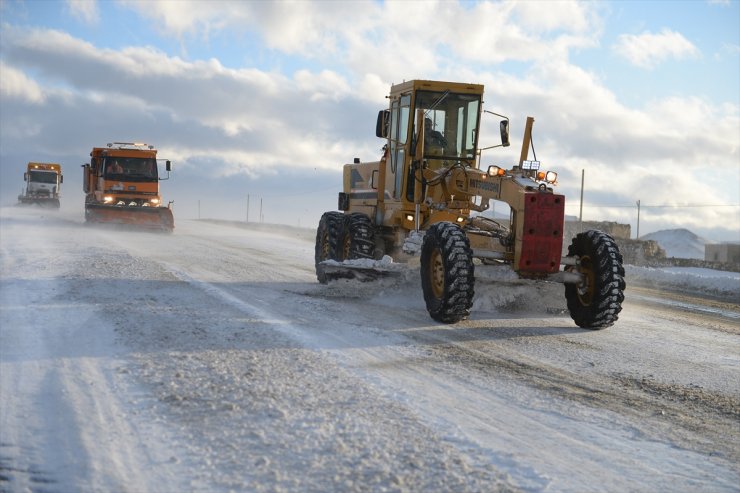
107 199
154 201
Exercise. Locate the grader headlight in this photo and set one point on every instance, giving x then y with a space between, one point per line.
496 171
548 176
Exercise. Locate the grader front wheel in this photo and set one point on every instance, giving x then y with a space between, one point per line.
447 276
595 303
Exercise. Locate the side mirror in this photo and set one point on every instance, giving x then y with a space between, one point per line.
504 128
168 165
25 176
381 127
61 178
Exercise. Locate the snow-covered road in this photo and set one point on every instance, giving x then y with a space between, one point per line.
212 360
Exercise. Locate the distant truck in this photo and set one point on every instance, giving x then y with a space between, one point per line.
43 184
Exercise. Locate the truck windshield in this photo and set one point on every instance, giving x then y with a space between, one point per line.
43 176
451 124
131 168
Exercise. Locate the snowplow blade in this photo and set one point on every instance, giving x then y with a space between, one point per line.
154 218
363 270
47 202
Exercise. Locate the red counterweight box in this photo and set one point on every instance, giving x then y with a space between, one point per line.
542 238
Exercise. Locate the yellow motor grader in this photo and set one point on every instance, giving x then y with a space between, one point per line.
121 185
426 196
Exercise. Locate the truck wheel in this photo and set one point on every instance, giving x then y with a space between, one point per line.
596 303
359 237
447 275
328 241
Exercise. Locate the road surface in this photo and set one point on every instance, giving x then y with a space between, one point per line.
210 359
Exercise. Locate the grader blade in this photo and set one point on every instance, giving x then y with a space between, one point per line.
363 270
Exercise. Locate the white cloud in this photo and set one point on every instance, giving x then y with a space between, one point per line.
188 17
647 50
397 39
14 84
326 84
85 10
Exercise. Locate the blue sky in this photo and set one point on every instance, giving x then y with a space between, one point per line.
269 99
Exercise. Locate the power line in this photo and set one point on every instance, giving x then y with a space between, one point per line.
665 206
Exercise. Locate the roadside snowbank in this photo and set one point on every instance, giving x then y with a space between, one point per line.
692 280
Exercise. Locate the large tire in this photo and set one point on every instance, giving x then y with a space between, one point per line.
359 237
596 303
329 236
447 273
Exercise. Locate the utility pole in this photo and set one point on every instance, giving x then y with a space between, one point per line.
638 219
580 215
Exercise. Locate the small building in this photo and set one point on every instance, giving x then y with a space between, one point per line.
728 253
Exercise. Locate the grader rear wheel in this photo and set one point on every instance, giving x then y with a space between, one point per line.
447 275
596 302
359 237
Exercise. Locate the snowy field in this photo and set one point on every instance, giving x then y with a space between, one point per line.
210 360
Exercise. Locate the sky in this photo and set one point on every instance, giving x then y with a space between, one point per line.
259 104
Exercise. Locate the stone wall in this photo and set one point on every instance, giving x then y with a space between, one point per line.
634 252
615 230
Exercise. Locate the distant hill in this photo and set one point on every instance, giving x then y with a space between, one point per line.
679 243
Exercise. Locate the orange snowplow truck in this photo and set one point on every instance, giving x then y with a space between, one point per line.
121 185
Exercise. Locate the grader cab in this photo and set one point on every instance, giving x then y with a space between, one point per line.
426 196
